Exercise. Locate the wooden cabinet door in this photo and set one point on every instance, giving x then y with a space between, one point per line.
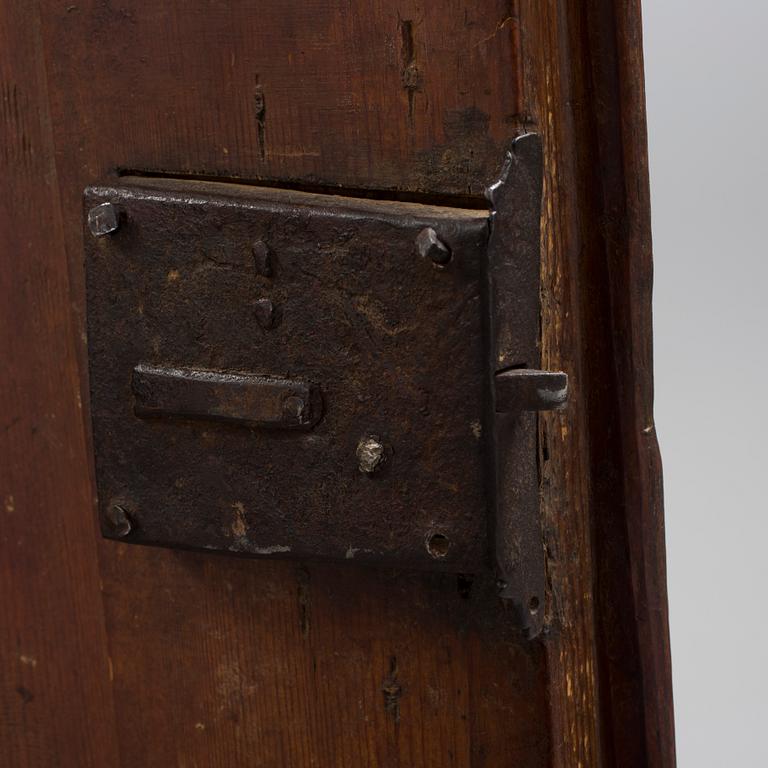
118 655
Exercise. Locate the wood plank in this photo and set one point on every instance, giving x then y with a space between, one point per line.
609 660
373 95
552 63
55 698
314 665
219 661
639 665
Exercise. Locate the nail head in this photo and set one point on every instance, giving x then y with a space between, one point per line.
103 219
266 314
432 247
370 454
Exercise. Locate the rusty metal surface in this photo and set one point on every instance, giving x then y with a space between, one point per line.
394 340
259 401
514 264
216 315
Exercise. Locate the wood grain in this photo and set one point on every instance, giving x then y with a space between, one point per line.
55 700
551 71
610 680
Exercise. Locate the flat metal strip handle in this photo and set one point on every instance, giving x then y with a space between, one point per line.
255 400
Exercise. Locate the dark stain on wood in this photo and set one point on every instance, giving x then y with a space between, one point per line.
392 691
304 596
411 76
260 112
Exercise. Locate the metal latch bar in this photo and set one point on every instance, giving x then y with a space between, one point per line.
518 388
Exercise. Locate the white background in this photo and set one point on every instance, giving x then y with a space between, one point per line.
706 65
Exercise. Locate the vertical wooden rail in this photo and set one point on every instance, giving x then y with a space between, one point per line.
609 663
55 698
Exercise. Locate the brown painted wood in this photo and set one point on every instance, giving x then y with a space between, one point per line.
217 661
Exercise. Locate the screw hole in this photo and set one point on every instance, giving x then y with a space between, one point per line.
438 545
533 604
464 583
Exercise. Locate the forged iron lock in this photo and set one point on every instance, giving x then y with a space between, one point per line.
280 373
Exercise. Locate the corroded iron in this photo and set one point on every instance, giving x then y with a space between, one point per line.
278 373
188 422
258 401
514 265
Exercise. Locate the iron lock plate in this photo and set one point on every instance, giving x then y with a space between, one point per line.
281 373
